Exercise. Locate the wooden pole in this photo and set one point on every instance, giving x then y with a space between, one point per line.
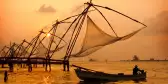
49 66
121 14
64 65
77 34
46 64
67 30
2 66
106 20
32 51
68 65
71 40
50 44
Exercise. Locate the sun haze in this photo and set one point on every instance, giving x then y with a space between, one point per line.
22 19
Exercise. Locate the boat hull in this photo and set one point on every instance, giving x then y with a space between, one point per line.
89 75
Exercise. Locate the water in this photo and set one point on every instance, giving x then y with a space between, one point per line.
157 73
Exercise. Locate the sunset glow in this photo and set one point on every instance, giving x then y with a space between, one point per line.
32 15
48 35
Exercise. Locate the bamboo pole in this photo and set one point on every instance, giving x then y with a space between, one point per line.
120 14
106 20
69 45
67 32
77 34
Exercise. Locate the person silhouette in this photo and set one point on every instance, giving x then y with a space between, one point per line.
135 70
5 76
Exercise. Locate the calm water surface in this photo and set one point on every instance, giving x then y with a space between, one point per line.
157 73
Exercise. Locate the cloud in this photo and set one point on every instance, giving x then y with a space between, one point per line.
46 9
156 33
158 25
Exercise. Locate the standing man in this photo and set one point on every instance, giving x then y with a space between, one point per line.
5 76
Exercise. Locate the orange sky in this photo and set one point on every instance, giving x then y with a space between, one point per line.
21 19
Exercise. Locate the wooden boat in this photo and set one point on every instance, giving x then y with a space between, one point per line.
91 75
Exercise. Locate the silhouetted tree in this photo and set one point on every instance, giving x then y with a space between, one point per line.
152 59
135 58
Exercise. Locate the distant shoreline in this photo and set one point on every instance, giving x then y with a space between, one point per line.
144 60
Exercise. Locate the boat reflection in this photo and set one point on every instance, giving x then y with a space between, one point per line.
111 82
93 82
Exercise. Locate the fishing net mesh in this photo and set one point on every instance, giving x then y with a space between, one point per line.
95 39
2 53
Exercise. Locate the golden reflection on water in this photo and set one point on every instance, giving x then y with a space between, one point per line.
156 73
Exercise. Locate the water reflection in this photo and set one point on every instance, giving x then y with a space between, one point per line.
66 76
93 82
57 76
113 82
140 81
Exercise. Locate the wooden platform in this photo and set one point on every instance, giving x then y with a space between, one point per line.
24 60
